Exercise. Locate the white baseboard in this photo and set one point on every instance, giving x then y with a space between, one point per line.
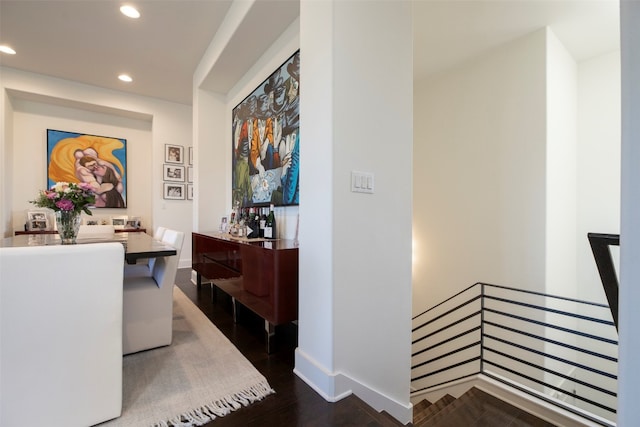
336 386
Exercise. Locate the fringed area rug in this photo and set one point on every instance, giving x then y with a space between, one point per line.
199 377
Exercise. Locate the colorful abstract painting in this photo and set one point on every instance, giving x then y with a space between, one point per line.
266 141
97 160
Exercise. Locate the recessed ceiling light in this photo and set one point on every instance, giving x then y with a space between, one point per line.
130 11
125 78
7 49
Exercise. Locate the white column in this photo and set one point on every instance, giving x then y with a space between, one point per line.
356 114
629 297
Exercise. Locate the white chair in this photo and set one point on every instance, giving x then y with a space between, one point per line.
61 334
148 301
159 233
96 231
144 266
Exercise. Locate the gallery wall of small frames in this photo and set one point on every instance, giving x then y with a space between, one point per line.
177 173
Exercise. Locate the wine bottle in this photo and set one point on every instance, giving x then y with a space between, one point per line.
270 231
256 224
263 221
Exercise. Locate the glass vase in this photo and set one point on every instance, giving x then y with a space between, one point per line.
68 223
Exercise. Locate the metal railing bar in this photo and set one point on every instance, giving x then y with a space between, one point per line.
445 301
444 328
446 313
526 291
549 400
451 353
446 382
559 343
464 362
556 373
551 310
535 380
558 328
551 356
446 341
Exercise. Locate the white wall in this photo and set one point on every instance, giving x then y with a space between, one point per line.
31 121
6 156
37 103
479 174
598 201
561 168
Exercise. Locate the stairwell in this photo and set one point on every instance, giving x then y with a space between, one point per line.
474 408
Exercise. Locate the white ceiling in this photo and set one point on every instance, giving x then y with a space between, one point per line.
452 31
89 41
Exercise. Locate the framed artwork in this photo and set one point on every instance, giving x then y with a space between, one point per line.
266 141
173 154
119 222
37 221
91 221
100 161
190 174
190 155
174 191
189 191
173 173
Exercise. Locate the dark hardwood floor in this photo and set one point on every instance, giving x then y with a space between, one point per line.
294 403
297 404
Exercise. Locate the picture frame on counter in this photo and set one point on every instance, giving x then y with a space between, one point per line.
37 221
133 222
119 222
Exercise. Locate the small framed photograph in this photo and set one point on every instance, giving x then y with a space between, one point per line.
91 221
133 222
37 221
174 154
190 191
174 191
173 173
190 174
190 155
119 222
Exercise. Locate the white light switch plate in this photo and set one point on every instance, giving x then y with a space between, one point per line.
362 182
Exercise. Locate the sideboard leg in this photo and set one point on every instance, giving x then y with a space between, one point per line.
234 306
270 329
198 280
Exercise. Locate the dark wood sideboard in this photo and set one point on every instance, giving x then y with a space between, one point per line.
261 275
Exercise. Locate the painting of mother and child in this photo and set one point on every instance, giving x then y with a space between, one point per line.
96 160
